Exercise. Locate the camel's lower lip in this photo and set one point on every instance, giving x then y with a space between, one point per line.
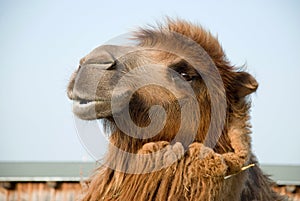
87 109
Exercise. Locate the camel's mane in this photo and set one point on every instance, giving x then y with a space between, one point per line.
151 37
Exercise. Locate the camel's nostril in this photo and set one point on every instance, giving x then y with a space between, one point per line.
112 66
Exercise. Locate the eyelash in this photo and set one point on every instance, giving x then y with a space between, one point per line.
184 70
186 76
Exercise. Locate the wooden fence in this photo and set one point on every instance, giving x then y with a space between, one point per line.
40 191
72 191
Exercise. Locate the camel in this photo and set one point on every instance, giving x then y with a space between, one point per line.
178 113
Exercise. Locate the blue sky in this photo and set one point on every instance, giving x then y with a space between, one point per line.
42 41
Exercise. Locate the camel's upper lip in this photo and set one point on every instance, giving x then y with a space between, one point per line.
86 99
82 101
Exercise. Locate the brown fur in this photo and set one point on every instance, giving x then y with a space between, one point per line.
199 171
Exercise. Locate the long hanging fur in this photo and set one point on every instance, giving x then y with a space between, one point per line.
200 172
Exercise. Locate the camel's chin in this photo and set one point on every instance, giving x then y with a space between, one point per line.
92 110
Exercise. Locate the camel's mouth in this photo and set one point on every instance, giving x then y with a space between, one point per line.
89 109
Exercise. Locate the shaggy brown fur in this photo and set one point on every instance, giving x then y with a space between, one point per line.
198 172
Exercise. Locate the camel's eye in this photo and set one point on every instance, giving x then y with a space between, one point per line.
186 71
186 76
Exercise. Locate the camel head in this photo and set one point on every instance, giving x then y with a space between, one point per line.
175 75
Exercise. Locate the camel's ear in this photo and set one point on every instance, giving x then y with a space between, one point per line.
245 84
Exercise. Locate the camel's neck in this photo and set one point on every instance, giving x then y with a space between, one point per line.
121 177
